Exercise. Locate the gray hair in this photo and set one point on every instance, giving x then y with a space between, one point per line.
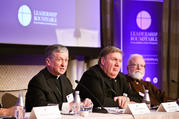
109 49
132 56
49 51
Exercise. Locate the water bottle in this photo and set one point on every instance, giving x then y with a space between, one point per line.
20 101
19 114
77 103
146 98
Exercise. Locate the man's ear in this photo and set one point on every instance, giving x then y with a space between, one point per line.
102 61
47 61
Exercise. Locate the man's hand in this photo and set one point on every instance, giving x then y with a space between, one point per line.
11 111
87 102
123 101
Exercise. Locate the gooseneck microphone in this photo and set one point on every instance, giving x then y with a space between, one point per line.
174 81
98 110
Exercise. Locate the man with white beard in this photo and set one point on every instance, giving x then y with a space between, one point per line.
136 72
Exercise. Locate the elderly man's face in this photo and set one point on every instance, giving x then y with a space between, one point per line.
57 64
111 64
136 68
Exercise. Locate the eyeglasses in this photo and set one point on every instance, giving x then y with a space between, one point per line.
137 65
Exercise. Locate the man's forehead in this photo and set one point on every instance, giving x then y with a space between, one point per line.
114 53
60 54
137 59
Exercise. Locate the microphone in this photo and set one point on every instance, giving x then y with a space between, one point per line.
97 109
113 91
174 81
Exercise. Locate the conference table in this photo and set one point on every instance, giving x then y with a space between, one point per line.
152 115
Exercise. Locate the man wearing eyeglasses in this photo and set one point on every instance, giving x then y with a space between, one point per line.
136 72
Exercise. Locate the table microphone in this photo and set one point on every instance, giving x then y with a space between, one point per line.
113 91
174 81
98 110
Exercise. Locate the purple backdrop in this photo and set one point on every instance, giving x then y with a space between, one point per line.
137 29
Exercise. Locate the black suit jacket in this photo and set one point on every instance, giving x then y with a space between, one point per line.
99 85
42 90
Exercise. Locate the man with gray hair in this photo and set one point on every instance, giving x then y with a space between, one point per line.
136 72
50 86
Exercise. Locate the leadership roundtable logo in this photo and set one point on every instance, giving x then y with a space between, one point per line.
24 15
144 36
40 17
143 20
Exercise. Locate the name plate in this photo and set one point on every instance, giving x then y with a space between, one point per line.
139 108
45 112
168 107
70 98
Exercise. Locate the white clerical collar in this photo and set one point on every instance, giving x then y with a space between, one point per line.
58 77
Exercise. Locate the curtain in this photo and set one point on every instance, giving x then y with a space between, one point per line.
170 47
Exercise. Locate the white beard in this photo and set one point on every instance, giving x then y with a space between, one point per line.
137 74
